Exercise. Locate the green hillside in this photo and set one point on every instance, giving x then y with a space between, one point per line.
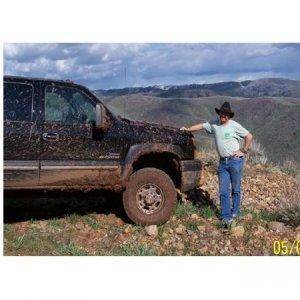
274 121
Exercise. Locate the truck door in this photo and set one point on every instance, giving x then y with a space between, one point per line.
71 156
21 135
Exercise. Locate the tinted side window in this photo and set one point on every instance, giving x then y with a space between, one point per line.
17 101
67 106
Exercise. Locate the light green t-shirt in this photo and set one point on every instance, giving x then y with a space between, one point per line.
227 136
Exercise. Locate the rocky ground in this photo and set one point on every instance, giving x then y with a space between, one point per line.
94 223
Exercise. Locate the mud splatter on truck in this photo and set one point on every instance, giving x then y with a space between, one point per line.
58 134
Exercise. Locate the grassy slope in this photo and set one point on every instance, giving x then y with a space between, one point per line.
273 121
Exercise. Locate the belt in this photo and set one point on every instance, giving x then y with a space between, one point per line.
228 157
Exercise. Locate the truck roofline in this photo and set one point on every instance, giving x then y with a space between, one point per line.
67 81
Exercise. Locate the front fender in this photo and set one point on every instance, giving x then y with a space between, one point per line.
137 151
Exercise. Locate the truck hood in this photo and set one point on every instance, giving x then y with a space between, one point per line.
144 132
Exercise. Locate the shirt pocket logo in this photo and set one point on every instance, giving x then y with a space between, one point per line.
227 135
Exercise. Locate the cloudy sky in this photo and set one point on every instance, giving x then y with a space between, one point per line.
101 66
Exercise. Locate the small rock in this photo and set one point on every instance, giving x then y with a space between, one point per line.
248 217
297 228
259 231
79 225
276 226
266 252
194 217
121 238
203 249
194 236
42 224
201 228
183 198
180 229
214 232
190 232
127 229
238 231
157 243
171 230
228 243
166 243
180 246
164 235
152 230
119 222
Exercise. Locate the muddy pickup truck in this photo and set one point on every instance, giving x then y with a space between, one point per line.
59 135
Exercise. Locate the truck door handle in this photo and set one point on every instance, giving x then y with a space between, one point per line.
52 136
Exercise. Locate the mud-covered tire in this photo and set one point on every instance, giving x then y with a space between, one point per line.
144 177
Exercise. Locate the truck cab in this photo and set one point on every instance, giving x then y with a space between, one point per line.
59 135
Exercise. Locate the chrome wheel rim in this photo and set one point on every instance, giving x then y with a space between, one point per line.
150 198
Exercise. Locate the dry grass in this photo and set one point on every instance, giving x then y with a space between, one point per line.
289 209
257 154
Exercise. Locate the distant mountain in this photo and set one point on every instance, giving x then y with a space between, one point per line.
131 90
269 107
266 87
271 87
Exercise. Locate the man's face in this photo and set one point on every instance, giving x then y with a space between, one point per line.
223 118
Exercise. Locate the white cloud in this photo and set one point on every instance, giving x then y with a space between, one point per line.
102 65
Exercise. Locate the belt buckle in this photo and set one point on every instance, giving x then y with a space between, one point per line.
225 158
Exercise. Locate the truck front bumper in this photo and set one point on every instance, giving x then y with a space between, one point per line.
190 174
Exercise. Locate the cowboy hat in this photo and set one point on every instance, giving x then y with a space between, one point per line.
225 109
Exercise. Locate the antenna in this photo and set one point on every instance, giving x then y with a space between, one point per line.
125 85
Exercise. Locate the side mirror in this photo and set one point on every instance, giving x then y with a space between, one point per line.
102 119
99 116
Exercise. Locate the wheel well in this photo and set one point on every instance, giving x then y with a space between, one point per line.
167 162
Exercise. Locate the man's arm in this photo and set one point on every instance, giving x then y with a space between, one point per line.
193 128
247 143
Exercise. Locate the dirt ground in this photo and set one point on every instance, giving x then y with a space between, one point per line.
94 222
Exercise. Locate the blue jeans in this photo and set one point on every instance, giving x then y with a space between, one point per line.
230 174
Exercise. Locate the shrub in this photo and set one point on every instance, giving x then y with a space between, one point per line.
55 223
273 168
207 212
289 167
133 250
257 154
184 210
289 211
192 225
70 249
92 222
73 218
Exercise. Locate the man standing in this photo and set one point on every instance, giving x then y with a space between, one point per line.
227 134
